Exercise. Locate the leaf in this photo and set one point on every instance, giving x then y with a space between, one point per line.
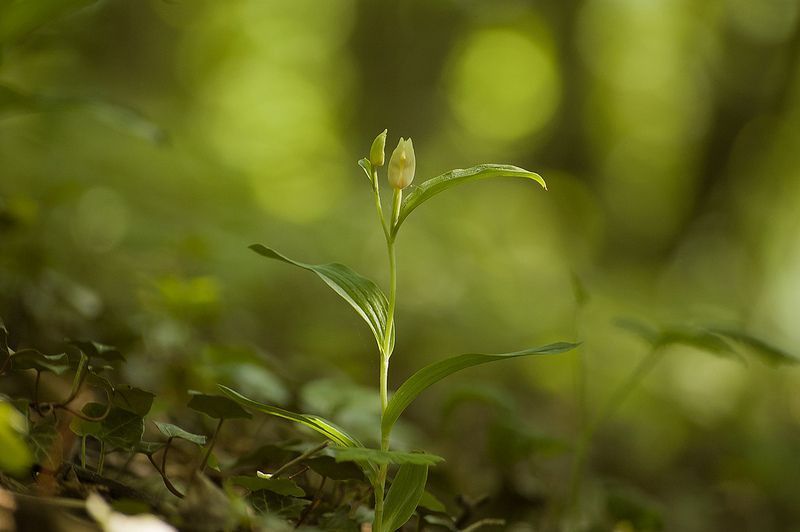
376 456
150 447
768 352
434 186
316 423
33 359
697 337
404 495
97 351
15 458
281 486
437 371
120 429
430 502
173 431
362 294
270 502
133 399
46 443
216 406
367 167
328 467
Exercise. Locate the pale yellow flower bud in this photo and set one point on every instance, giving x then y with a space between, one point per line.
376 152
402 164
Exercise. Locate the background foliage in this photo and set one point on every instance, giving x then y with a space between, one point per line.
145 145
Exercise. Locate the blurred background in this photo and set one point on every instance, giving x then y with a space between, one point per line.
144 145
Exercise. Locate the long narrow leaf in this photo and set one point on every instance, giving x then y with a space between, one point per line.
316 423
433 186
363 295
407 489
437 371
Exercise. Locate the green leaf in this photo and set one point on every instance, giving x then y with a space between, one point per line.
430 502
150 447
46 443
362 294
437 371
376 456
316 423
174 431
367 167
15 458
216 406
281 486
120 429
768 352
328 467
697 337
33 359
434 186
97 351
133 399
404 495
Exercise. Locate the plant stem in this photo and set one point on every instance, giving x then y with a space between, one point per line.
300 458
83 451
388 347
614 402
102 459
211 443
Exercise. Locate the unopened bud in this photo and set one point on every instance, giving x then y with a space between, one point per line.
376 154
402 164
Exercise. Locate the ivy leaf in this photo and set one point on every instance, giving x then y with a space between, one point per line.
216 406
363 295
33 359
422 193
173 431
120 429
437 371
316 423
97 351
377 456
404 495
281 486
133 399
46 443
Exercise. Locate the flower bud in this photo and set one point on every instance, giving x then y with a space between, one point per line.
376 154
402 164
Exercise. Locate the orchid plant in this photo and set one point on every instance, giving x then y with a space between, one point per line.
395 507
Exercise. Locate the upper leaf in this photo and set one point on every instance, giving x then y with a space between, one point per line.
437 371
363 295
407 489
433 186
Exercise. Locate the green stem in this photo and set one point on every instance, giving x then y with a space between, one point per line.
388 347
101 461
614 402
211 443
300 458
83 451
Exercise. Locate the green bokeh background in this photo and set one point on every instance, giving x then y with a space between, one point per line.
144 145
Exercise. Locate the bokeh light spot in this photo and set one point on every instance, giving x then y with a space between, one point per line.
503 84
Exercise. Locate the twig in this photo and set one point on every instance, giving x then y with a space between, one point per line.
211 443
169 485
313 505
300 458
